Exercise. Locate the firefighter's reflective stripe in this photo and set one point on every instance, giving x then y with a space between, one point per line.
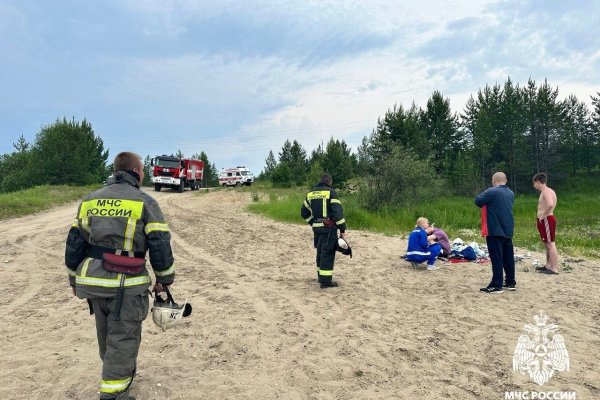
318 225
335 201
129 232
166 272
115 282
323 195
111 208
307 205
71 272
341 221
75 223
156 226
326 272
85 266
85 224
119 385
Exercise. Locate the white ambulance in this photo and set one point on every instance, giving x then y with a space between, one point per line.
237 176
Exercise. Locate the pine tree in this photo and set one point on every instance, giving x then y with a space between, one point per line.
21 145
285 156
338 162
68 152
441 132
210 176
270 165
298 163
512 143
147 171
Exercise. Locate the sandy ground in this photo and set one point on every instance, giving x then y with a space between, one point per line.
262 328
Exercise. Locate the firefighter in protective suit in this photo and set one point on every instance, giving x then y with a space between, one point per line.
105 259
323 211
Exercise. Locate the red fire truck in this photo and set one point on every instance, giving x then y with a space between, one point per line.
169 171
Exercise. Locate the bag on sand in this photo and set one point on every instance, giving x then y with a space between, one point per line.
467 253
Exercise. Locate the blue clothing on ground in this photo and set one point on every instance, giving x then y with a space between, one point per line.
499 202
419 249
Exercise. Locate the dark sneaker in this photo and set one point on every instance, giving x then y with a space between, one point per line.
548 271
540 268
328 285
510 287
491 289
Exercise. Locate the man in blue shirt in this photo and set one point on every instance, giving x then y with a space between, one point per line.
497 202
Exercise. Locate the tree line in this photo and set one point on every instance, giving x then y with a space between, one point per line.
68 152
414 152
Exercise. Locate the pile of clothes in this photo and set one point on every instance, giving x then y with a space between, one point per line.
466 253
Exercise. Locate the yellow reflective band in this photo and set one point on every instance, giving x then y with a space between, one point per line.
341 221
307 205
318 225
166 272
336 201
129 232
308 219
324 272
156 226
85 224
75 224
111 208
114 386
113 283
318 194
85 266
71 272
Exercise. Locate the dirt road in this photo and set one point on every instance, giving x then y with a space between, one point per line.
262 328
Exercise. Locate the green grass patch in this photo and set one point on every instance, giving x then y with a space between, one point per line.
578 231
23 202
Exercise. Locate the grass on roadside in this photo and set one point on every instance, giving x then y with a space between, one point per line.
578 231
28 201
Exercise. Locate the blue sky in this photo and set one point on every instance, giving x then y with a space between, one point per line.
238 78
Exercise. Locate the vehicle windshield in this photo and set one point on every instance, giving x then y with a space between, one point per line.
166 163
244 173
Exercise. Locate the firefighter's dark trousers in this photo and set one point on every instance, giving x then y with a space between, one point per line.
326 245
119 342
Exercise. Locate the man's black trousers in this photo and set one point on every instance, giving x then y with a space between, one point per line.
326 245
503 260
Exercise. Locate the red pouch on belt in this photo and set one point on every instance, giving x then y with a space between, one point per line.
123 264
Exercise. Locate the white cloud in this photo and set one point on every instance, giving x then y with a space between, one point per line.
161 75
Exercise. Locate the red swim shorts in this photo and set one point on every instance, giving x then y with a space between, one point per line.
547 228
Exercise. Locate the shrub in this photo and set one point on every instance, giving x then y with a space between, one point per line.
400 179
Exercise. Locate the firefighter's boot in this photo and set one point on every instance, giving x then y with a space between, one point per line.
325 285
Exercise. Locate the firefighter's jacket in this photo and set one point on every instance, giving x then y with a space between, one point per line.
323 210
117 217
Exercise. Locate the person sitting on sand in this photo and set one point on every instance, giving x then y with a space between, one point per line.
419 250
436 235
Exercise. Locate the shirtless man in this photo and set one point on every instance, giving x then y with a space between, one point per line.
546 223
